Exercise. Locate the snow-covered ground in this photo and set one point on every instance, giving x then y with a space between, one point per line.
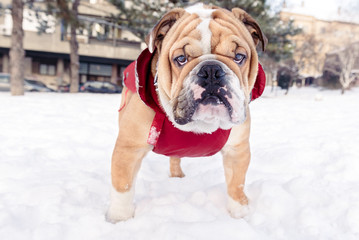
303 181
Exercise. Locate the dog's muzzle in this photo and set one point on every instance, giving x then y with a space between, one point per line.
210 95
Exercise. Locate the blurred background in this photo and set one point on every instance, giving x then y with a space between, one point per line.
84 45
55 148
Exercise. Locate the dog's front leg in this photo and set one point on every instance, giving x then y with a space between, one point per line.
131 147
236 157
126 162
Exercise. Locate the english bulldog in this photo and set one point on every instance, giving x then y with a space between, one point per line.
187 95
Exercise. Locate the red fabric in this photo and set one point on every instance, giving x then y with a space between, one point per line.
260 83
130 77
177 143
167 139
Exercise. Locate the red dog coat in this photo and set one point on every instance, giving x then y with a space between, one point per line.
167 139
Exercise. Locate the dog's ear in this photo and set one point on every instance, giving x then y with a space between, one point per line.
159 31
252 26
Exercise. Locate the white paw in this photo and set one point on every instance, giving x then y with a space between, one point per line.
116 213
237 210
121 206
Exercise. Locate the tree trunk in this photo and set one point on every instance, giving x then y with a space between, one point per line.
345 79
17 50
74 50
74 59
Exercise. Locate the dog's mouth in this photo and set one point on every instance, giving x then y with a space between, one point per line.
208 108
213 100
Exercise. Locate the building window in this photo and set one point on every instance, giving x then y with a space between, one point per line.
83 68
47 69
100 70
43 69
4 78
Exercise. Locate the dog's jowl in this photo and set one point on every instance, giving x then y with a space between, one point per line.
187 95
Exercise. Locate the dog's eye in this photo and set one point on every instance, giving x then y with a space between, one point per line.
181 60
239 58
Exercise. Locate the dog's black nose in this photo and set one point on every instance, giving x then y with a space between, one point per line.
211 74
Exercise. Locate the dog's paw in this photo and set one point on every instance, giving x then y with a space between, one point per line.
237 210
121 206
119 213
178 174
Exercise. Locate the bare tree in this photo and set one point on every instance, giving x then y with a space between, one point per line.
67 10
343 61
342 64
348 58
17 52
74 48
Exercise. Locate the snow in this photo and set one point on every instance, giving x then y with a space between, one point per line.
302 183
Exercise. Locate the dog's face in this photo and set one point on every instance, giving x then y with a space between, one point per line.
207 66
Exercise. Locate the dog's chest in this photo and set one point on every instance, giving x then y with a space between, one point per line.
170 141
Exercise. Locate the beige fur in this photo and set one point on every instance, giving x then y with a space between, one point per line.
177 33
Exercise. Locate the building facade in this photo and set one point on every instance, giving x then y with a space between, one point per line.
105 49
318 38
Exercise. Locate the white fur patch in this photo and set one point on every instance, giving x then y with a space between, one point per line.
136 76
200 10
151 48
210 115
235 209
206 15
121 206
206 35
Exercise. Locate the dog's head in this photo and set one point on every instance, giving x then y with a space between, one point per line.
207 66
